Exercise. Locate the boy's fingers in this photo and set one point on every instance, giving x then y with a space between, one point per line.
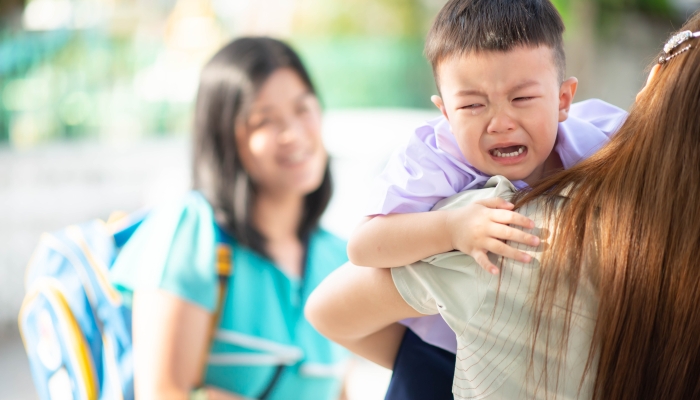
502 249
496 202
505 232
511 217
482 259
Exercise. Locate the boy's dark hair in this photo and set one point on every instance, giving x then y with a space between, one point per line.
463 26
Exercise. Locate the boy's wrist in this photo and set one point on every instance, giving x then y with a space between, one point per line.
449 228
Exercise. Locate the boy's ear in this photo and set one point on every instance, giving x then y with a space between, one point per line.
567 90
437 100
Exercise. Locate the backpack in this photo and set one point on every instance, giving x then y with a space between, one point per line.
75 328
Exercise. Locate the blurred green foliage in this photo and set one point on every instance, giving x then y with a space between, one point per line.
608 13
370 53
368 18
76 84
368 72
88 83
611 8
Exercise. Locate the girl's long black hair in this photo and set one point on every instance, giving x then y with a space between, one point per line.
229 83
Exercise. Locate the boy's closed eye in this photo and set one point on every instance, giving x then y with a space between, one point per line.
472 106
476 106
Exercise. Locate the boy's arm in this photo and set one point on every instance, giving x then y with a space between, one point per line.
358 308
395 240
414 179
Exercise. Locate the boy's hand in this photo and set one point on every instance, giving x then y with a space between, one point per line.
482 227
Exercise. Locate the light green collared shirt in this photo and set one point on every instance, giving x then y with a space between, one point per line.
492 324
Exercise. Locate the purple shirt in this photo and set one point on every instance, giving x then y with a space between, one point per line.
430 167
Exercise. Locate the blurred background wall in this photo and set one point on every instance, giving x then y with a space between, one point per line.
96 98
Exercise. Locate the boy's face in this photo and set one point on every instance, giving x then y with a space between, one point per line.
504 108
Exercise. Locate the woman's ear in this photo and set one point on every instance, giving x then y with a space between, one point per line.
437 100
652 75
567 90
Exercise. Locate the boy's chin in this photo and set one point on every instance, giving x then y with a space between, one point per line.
513 178
511 175
518 172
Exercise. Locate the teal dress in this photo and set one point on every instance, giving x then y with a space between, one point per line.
262 323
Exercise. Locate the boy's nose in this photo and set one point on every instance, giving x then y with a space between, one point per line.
501 123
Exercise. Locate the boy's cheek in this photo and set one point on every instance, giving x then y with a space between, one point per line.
471 150
542 131
466 131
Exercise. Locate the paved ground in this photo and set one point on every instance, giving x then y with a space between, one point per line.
15 378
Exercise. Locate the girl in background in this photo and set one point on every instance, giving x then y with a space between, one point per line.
261 183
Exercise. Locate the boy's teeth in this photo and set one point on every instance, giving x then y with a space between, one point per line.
498 153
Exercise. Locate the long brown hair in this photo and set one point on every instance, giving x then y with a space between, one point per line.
631 221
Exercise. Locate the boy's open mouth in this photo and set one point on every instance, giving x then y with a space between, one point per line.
507 152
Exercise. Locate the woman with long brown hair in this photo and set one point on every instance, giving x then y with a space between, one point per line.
608 308
633 222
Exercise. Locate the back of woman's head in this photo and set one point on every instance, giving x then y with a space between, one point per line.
229 84
630 224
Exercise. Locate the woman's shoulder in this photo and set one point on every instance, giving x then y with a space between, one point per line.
185 214
173 249
191 202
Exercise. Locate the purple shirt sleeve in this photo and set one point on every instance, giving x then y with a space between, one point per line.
422 172
588 128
